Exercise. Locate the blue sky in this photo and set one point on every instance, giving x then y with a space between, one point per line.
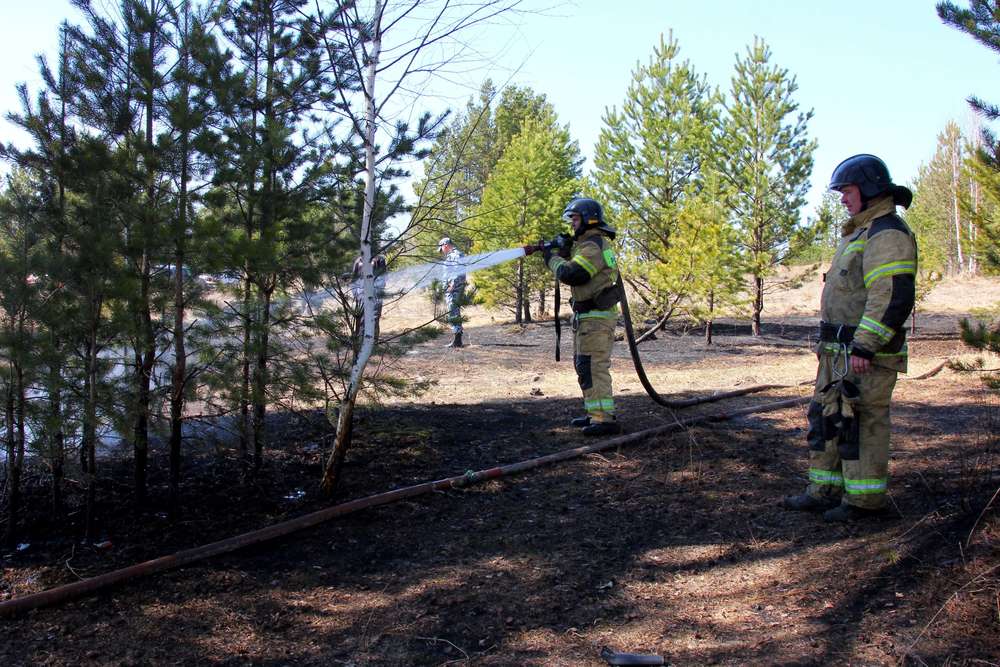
882 76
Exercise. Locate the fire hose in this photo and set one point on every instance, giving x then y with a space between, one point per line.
633 348
78 589
564 242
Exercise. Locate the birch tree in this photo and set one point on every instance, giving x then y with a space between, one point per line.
392 49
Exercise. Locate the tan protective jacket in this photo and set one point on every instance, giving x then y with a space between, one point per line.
871 284
590 270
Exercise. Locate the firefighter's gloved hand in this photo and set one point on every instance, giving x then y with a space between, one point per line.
565 244
547 249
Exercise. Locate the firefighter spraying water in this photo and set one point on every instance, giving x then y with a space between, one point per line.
585 261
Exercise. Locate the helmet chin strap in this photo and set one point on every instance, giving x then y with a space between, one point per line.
585 226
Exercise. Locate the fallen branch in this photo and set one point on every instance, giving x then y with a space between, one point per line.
653 329
934 371
976 522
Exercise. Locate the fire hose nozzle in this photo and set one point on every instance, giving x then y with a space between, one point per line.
563 242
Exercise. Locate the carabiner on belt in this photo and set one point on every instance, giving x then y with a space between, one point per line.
841 353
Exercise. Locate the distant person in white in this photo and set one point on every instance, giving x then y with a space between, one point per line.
454 287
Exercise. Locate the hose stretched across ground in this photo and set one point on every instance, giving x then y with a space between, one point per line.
61 594
641 372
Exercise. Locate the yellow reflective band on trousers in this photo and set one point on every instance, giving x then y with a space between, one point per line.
883 332
606 404
598 315
833 349
890 269
860 487
828 477
585 263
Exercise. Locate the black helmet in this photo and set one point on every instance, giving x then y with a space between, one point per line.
591 212
866 171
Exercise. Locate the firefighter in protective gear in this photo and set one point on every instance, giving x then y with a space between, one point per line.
589 268
868 293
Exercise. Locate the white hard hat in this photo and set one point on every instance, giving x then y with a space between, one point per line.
443 242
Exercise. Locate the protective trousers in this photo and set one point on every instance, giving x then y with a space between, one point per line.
849 434
592 341
453 302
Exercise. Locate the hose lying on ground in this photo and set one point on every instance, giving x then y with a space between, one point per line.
641 372
79 589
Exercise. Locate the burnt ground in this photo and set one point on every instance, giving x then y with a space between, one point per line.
676 545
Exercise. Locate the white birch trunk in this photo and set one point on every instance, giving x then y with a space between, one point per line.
956 212
368 276
346 415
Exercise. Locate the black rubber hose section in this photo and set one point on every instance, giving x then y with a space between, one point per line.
558 325
640 371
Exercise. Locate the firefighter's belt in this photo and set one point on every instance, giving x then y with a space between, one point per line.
608 297
836 333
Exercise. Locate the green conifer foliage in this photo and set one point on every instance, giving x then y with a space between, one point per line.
981 21
765 158
522 203
654 172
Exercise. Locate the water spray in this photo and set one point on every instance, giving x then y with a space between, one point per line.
423 275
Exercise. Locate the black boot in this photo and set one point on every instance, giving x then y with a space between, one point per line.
580 422
806 503
457 342
602 428
848 513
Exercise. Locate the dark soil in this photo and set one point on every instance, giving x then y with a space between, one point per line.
676 545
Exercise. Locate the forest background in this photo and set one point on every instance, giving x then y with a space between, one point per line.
181 223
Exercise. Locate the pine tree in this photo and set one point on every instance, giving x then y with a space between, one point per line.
455 173
766 159
653 165
932 213
826 222
90 270
462 158
47 120
270 165
190 119
704 263
981 21
123 58
19 204
522 203
86 188
985 212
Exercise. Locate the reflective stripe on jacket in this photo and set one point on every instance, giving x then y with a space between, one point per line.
871 283
589 271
